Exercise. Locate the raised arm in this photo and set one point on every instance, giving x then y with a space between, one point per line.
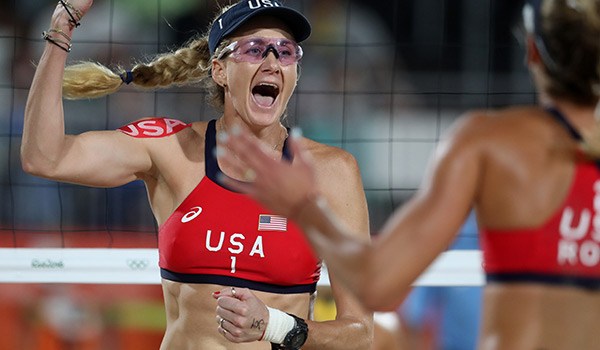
380 273
100 158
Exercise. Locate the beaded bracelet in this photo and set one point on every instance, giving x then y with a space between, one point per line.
67 5
65 45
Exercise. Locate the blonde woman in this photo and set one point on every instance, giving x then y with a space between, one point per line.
234 275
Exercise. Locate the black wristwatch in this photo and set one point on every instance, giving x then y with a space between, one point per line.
295 338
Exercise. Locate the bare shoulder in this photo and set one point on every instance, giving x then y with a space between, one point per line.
199 128
192 139
485 127
338 174
339 180
187 132
330 159
167 138
501 120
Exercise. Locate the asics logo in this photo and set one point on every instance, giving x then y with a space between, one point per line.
192 214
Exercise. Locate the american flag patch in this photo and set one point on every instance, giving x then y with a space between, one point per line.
272 223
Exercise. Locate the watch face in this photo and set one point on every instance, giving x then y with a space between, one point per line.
297 336
298 340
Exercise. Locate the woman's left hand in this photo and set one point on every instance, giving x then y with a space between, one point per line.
241 316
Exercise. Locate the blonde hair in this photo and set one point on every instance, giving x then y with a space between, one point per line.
190 64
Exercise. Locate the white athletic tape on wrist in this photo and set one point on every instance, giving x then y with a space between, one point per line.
280 324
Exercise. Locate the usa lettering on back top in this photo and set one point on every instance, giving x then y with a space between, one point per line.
575 245
565 249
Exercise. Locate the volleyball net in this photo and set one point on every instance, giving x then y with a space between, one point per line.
140 266
382 80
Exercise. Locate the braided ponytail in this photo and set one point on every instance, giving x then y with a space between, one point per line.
188 65
89 80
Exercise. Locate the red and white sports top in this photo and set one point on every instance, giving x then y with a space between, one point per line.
218 236
564 250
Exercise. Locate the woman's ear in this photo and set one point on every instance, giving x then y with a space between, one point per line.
218 73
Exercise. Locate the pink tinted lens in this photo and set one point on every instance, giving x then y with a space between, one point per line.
254 50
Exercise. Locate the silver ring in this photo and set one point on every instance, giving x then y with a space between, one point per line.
221 322
233 291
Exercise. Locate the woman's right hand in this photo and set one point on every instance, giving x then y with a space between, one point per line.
241 315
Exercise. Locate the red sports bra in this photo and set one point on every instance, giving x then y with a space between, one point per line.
218 236
564 250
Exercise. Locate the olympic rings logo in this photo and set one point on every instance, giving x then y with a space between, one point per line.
137 264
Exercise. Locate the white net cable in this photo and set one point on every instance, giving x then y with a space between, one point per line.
140 266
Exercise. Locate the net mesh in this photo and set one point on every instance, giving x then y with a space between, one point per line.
381 79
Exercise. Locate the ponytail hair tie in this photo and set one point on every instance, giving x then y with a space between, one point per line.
127 77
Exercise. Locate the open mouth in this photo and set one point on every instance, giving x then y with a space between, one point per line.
265 94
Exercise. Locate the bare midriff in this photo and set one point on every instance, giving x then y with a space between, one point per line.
539 317
192 322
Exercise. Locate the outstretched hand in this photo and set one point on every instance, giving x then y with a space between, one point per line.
281 186
241 316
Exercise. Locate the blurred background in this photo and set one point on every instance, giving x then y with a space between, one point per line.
382 79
